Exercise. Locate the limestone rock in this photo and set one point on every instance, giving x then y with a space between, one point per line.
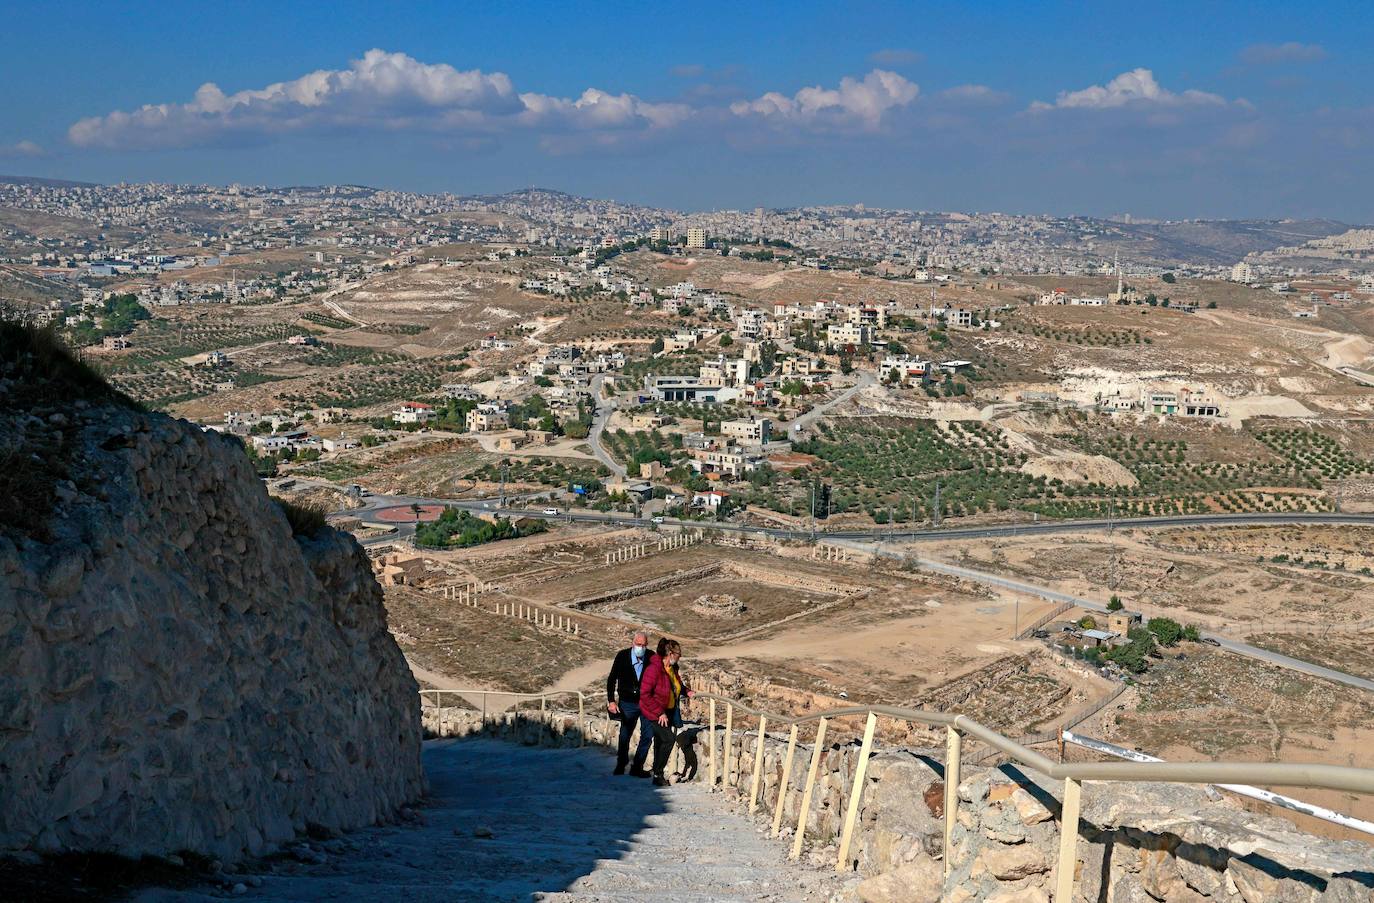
920 881
1012 863
177 671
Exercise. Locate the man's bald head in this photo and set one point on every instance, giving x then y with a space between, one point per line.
640 639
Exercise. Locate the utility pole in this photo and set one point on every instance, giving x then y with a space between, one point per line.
813 512
936 514
504 468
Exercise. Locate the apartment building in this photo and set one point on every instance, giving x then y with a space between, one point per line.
848 334
487 417
749 324
725 372
754 431
413 412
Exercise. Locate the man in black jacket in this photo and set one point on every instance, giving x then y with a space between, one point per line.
622 698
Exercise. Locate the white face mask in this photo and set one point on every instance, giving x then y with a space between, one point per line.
637 651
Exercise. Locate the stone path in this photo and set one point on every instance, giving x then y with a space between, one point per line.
561 829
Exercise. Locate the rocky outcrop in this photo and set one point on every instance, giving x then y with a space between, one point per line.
178 672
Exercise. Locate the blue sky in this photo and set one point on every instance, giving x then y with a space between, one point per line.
1157 109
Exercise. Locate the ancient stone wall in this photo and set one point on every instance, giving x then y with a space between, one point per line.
1147 842
177 671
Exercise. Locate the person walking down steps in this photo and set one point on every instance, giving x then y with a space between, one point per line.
622 699
660 693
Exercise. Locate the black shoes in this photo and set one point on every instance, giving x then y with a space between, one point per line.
639 773
661 781
619 769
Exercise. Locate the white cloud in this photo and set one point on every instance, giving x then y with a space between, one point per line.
385 91
979 95
1135 88
23 148
598 109
1279 54
863 102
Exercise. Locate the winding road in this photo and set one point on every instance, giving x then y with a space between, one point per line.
873 540
866 379
1053 595
604 409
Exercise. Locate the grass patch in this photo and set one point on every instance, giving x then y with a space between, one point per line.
305 519
39 376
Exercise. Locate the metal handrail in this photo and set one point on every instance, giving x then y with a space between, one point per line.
1329 777
1312 775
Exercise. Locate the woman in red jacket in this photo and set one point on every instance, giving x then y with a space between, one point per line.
660 691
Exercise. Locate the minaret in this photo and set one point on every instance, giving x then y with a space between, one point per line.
1119 286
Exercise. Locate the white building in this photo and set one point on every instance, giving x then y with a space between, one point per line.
696 237
750 324
848 334
413 412
1243 272
724 372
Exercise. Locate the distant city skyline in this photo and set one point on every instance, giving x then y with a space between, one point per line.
1222 110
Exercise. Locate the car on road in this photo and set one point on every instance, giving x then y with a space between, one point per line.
1211 642
658 519
552 512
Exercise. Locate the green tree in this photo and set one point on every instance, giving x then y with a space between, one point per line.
1114 604
1134 655
1169 278
1166 631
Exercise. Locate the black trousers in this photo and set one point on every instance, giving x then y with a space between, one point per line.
664 738
629 717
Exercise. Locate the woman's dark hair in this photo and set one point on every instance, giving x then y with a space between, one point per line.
666 645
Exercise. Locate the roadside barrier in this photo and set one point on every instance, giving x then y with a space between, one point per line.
957 729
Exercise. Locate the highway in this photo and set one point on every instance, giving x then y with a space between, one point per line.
871 540
925 534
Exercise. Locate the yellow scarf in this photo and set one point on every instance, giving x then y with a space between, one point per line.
675 684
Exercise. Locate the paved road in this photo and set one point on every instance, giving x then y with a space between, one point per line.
871 540
604 409
866 379
1044 592
918 535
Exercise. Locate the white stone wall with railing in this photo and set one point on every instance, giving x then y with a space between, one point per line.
997 834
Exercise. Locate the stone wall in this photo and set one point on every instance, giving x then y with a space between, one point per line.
1138 843
177 671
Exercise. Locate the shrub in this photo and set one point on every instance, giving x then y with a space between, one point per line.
1114 604
1133 656
1166 630
305 520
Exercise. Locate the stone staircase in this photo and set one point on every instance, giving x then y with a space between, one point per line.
512 822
